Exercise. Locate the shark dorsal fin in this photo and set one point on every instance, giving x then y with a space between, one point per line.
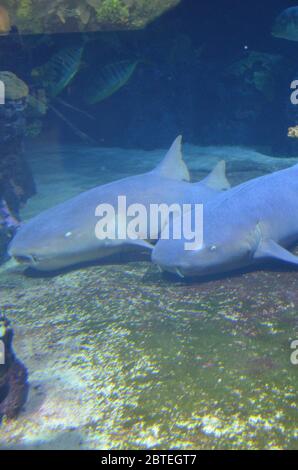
217 178
173 166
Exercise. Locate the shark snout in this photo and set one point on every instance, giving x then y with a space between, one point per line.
171 256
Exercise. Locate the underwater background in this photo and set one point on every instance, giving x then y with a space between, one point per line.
118 355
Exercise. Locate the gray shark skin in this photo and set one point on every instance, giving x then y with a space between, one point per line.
64 235
252 222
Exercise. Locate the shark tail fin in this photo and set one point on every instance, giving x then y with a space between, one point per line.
173 166
217 179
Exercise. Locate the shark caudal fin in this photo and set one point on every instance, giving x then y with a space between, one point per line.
173 166
217 179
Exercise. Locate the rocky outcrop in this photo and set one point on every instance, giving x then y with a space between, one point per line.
42 16
13 375
293 132
16 182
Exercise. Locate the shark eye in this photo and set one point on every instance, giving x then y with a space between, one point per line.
213 248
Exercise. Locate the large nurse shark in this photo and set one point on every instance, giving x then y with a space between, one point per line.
253 222
64 235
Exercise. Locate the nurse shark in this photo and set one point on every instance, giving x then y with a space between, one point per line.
64 235
252 222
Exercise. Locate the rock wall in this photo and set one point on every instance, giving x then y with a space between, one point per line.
40 16
13 375
16 181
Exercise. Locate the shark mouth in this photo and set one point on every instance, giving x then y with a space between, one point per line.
26 259
174 270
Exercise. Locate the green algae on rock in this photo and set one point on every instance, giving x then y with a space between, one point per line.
58 16
15 88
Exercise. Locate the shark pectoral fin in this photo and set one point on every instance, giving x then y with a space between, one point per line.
141 243
217 179
271 249
173 166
